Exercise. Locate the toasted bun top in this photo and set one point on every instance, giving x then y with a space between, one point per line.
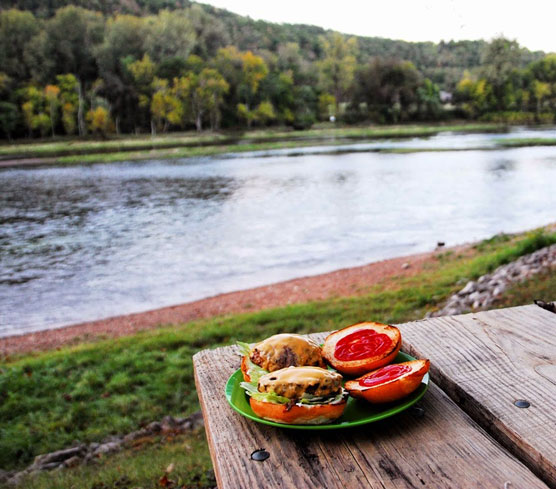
285 350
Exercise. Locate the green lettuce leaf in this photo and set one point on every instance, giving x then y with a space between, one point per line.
244 348
254 371
252 390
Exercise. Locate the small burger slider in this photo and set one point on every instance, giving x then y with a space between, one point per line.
277 352
298 395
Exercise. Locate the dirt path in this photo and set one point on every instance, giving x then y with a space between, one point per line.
344 282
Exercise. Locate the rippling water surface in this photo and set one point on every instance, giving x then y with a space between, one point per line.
92 241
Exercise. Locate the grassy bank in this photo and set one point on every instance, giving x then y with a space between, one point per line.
90 391
71 150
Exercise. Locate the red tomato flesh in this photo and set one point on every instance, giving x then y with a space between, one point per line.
364 343
384 374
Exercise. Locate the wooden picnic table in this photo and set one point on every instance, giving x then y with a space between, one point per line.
469 433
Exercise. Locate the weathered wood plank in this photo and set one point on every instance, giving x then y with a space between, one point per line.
442 449
488 360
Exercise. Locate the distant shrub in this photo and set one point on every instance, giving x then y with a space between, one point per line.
509 117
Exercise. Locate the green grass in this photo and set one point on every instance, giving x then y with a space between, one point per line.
71 150
139 467
92 390
520 142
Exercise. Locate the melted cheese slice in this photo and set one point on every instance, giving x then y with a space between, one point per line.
301 375
297 344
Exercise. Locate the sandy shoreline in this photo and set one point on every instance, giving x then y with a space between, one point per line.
344 282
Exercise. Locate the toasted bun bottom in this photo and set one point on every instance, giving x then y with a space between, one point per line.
320 414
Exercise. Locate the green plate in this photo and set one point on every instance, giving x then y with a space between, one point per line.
357 412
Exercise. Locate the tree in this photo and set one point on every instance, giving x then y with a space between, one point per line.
169 34
166 108
540 91
17 28
9 118
338 64
327 106
51 93
72 37
34 110
253 71
143 72
500 59
200 95
123 44
212 88
388 89
476 97
428 97
69 99
99 121
210 32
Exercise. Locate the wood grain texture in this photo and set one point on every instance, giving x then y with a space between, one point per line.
488 360
442 449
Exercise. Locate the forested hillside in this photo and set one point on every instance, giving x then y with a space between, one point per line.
158 65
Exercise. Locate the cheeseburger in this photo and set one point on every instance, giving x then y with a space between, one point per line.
298 395
277 352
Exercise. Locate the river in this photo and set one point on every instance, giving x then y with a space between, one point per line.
91 241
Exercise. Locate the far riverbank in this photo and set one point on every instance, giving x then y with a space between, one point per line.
67 151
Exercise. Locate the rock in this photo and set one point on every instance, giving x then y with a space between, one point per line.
197 420
17 478
5 475
405 266
154 427
169 423
470 287
473 297
134 435
59 456
105 448
72 462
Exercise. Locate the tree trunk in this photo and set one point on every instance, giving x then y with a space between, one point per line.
52 119
80 117
199 122
153 128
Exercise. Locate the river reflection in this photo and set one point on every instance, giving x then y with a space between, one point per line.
92 241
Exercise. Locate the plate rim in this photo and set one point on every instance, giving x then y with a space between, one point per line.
232 384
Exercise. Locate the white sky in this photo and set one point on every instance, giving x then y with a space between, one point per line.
531 22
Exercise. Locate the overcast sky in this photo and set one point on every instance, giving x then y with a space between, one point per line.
531 22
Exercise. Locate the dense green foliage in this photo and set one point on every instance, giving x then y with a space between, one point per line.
92 390
103 67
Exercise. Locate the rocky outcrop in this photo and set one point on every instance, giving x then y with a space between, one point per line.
89 452
482 293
